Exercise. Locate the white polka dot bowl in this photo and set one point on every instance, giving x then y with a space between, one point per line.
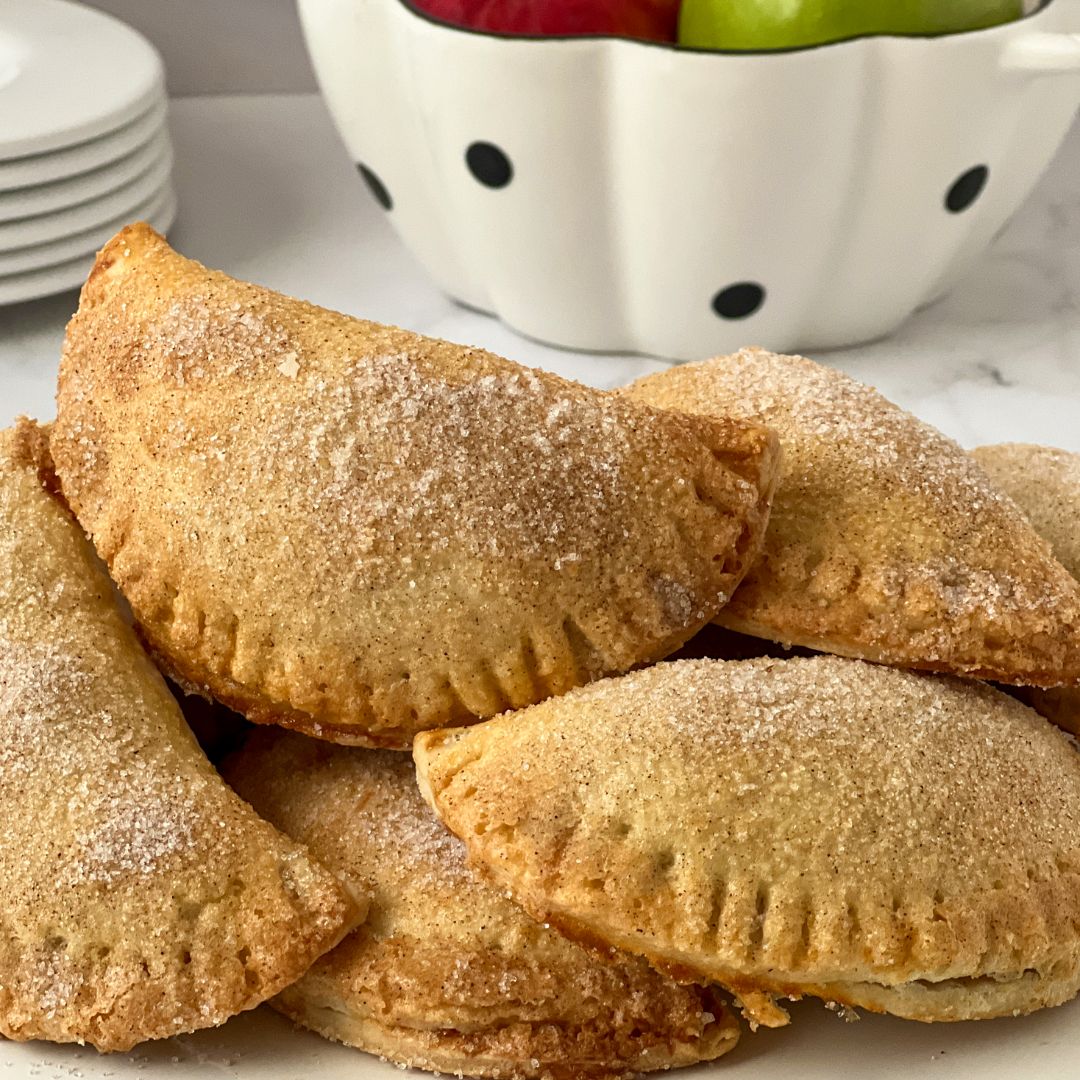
616 195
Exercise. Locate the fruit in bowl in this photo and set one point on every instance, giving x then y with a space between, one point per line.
783 24
649 20
722 24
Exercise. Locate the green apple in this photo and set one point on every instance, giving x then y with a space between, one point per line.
781 24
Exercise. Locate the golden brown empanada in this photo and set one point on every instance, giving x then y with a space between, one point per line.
1045 484
447 974
139 897
359 532
879 838
886 540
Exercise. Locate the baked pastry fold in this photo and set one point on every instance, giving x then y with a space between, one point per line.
358 532
139 897
447 974
1045 483
875 837
886 541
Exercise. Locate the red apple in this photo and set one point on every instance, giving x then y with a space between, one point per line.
651 20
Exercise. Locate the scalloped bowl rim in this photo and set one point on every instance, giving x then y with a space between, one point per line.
698 50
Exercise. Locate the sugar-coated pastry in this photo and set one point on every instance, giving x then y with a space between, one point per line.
358 532
886 540
879 838
447 974
1045 483
139 897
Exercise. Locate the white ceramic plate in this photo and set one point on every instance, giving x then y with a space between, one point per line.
817 1046
49 198
69 73
24 260
58 277
83 157
45 228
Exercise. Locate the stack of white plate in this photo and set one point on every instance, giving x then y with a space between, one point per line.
84 147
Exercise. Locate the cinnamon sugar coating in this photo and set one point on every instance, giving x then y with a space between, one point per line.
886 541
361 533
446 973
884 839
139 897
1045 483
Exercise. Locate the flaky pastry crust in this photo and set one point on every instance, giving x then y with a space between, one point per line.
359 532
886 540
447 974
139 897
875 837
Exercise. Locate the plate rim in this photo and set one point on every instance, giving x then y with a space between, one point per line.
128 136
44 228
44 37
103 181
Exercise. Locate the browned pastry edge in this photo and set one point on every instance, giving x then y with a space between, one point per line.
1035 676
523 1051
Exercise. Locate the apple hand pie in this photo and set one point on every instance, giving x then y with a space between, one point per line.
361 533
878 838
886 540
447 974
1045 484
139 897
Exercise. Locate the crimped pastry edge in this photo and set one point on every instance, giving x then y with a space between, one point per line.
116 1002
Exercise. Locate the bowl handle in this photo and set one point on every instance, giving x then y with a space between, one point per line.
1043 53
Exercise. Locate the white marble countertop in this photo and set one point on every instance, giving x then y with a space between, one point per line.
267 193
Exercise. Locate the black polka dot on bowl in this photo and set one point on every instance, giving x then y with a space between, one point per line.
738 301
376 187
966 189
489 164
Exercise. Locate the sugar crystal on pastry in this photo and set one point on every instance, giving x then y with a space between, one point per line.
1045 483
